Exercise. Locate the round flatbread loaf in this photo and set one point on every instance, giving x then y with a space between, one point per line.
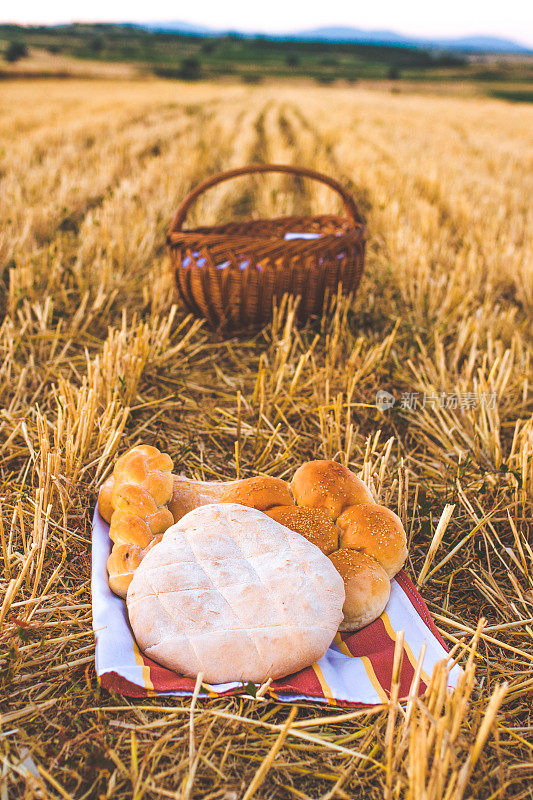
233 594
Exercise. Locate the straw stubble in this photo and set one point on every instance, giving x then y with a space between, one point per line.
96 355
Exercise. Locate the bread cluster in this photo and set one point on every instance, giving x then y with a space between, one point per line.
325 503
365 541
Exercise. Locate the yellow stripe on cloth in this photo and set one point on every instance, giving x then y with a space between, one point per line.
343 647
148 685
323 685
367 663
410 655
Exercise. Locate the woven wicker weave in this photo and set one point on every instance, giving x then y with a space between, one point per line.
231 274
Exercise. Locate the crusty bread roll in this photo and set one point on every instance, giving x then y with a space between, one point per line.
313 523
231 593
261 492
328 485
367 588
148 472
140 462
140 488
378 532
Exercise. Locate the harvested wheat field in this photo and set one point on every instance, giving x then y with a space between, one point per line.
98 355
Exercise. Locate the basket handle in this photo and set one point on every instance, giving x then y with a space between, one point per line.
350 206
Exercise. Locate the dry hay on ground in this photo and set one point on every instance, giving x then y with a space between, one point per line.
41 64
96 356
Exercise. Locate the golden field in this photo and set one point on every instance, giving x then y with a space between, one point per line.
97 354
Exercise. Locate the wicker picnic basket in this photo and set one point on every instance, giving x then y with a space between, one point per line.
231 274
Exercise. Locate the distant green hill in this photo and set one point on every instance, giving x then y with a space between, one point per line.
192 55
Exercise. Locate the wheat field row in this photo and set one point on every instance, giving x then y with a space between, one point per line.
97 354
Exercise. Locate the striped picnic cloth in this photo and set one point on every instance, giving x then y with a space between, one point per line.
356 670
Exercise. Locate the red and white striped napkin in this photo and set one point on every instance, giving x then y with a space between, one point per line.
356 670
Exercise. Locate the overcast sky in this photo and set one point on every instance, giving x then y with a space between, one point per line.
511 19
